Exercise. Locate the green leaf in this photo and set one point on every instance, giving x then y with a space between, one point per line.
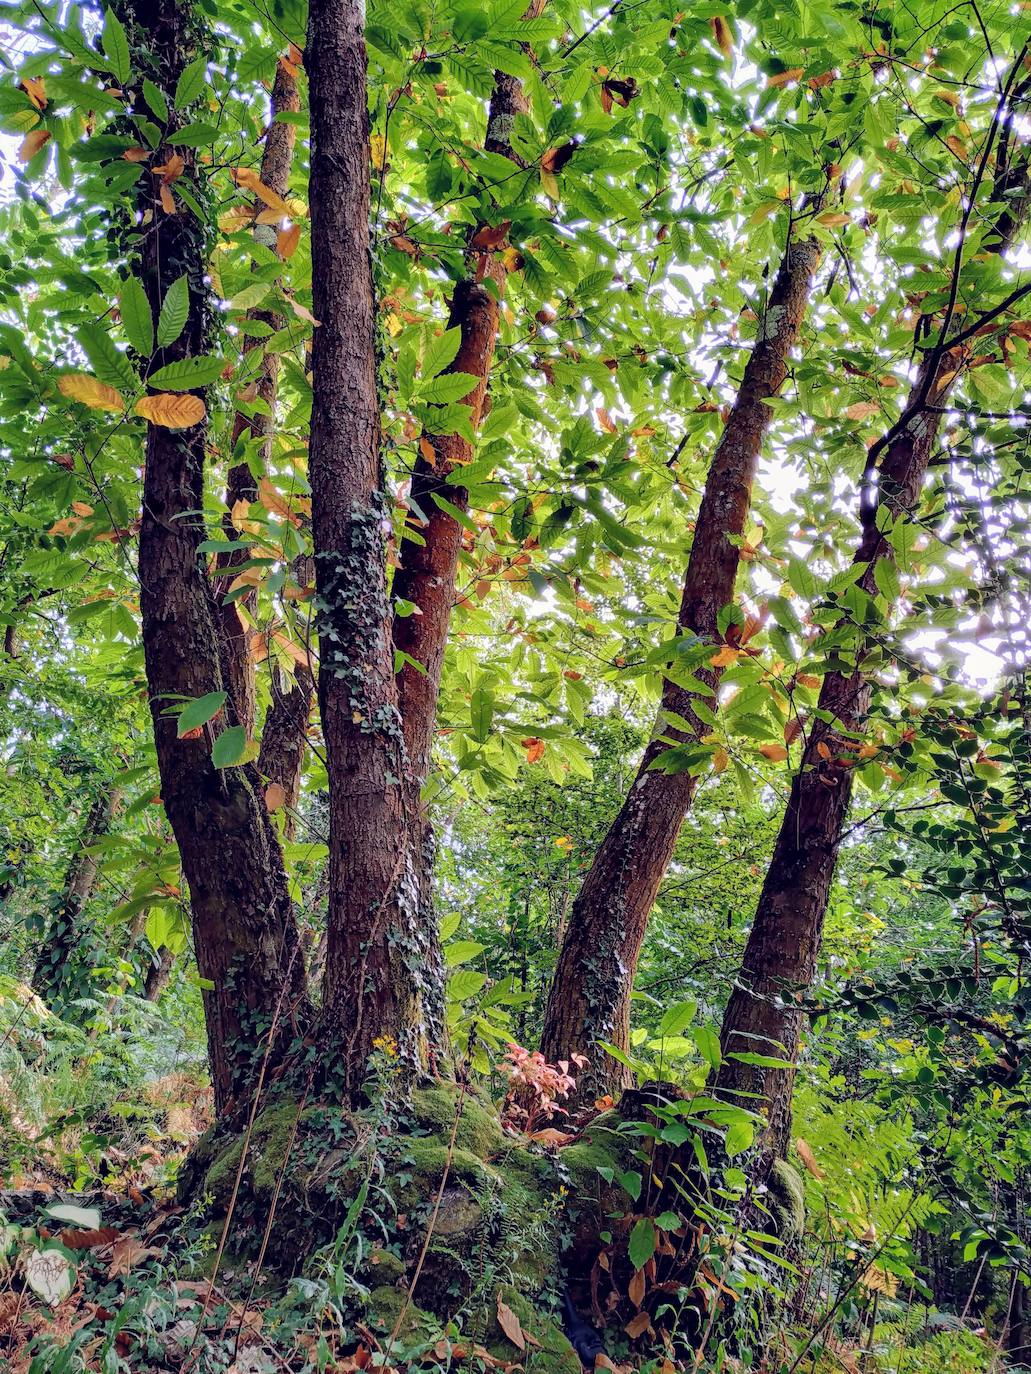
137 320
230 748
109 363
174 310
461 952
465 984
194 136
677 1018
641 1245
708 1043
191 83
449 925
482 714
188 373
199 711
452 386
441 350
886 575
739 1137
116 47
155 99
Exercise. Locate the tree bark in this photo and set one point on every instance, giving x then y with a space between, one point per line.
238 665
158 975
51 976
284 737
245 936
376 955
779 961
589 1000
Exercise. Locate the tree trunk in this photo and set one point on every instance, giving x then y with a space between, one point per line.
589 999
238 665
245 936
779 961
51 976
158 975
376 955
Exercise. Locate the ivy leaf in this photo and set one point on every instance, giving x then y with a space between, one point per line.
116 47
137 320
174 310
642 1242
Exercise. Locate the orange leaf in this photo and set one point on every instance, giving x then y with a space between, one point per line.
782 78
248 180
31 144
726 658
774 752
638 1325
534 749
428 451
172 409
136 154
824 750
170 170
636 1287
807 1157
605 420
287 241
490 235
167 200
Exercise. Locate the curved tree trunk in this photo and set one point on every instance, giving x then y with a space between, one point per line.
376 955
779 961
245 936
589 999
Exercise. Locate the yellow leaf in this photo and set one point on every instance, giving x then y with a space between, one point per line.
378 152
31 144
35 88
248 180
720 759
726 658
549 185
774 752
287 241
172 409
80 386
722 35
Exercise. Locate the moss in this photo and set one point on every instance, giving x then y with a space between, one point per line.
270 1144
787 1201
382 1267
554 1354
385 1305
479 1129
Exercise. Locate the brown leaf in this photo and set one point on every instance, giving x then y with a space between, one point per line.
248 180
509 1323
490 235
792 730
172 409
862 410
605 420
636 1287
550 1136
136 154
170 170
127 1253
275 796
774 752
807 1157
428 451
88 1240
638 1325
31 144
167 200
726 658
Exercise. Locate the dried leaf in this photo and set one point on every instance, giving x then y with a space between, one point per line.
170 170
248 180
490 235
638 1325
807 1157
726 658
783 78
127 1253
862 410
636 1287
172 409
509 1323
723 35
534 749
88 1240
774 752
275 796
167 200
35 88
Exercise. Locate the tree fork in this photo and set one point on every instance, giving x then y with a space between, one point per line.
245 935
589 1000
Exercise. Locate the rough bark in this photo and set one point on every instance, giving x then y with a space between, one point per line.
590 992
158 975
50 978
376 951
779 961
285 733
276 158
245 936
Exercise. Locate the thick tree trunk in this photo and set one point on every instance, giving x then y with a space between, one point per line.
779 962
276 158
50 978
590 993
376 956
245 936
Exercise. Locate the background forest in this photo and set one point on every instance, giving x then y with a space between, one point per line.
515 844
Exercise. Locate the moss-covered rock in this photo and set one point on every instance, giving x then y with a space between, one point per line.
549 1352
386 1305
